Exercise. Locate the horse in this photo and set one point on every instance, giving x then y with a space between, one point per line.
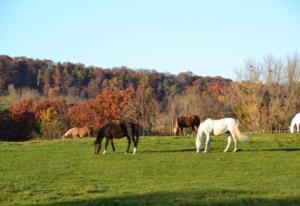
112 130
295 122
186 121
217 127
76 132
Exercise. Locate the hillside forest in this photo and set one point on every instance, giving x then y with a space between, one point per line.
42 98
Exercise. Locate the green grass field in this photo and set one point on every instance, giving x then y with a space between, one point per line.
165 171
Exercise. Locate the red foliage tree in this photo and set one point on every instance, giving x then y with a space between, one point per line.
109 106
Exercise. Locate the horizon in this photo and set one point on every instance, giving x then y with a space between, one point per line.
208 38
110 68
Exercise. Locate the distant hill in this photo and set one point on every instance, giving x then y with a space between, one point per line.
76 79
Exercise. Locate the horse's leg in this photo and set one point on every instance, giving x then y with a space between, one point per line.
235 143
193 130
181 131
135 139
207 143
112 144
135 145
98 144
297 125
228 143
106 143
198 141
129 143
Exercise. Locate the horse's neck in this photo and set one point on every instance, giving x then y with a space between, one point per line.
297 119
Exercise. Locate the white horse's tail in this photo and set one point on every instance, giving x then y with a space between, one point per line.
241 136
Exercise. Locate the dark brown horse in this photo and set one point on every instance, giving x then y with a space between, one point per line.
112 130
186 121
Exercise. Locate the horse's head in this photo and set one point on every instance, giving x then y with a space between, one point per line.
97 147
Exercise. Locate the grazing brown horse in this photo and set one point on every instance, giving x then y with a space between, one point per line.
77 132
112 130
186 121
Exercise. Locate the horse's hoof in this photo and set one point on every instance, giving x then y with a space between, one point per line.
104 152
236 150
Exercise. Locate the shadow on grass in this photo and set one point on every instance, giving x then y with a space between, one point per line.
211 150
168 150
222 197
273 150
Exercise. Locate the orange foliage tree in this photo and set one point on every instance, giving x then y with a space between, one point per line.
109 106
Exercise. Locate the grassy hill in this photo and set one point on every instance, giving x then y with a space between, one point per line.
165 171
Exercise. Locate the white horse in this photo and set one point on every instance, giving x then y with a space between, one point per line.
217 127
295 122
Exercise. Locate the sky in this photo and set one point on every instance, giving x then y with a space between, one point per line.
207 37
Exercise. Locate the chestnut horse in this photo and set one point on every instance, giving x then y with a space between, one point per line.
112 130
76 132
186 121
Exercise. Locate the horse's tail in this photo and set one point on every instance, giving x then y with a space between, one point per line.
176 126
66 134
69 132
197 120
241 136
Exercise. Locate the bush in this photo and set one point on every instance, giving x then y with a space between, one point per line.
52 125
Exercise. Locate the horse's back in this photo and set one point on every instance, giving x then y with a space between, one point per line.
113 130
187 121
296 118
83 131
218 126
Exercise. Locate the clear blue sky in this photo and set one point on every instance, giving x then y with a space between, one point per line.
207 37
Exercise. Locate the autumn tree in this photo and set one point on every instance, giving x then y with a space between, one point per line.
266 95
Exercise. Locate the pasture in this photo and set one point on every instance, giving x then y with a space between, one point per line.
165 171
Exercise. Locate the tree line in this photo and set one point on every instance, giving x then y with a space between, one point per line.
42 98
